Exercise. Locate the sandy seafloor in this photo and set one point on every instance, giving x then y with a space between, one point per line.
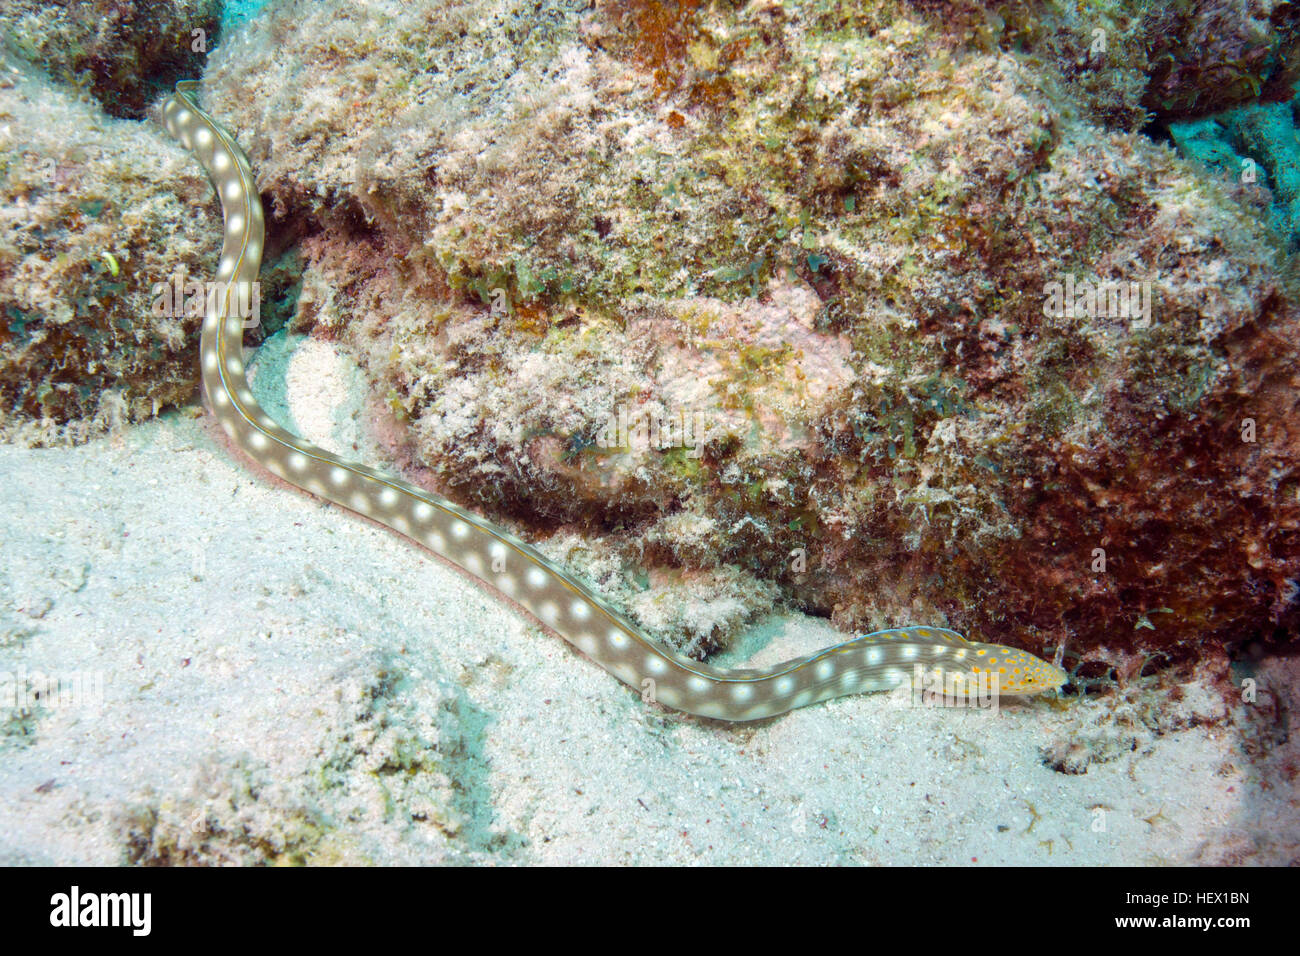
285 682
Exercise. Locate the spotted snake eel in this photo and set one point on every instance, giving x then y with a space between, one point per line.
881 660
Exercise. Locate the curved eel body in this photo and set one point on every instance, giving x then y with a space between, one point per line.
879 661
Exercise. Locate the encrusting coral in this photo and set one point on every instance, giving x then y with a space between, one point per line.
1126 61
89 223
123 52
829 232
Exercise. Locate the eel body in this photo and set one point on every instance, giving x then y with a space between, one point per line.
881 660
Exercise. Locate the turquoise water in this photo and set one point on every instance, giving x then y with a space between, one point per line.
237 12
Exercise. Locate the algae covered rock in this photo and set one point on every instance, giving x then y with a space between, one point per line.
123 52
1258 145
95 212
1128 61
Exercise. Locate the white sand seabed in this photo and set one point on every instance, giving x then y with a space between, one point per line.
283 680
